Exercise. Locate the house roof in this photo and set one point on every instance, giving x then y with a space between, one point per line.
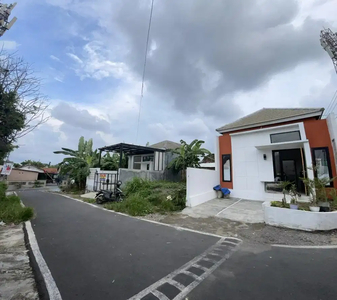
50 170
167 145
31 169
267 116
130 149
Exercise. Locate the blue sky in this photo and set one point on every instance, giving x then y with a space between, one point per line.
208 64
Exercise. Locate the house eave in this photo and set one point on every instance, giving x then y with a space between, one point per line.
300 117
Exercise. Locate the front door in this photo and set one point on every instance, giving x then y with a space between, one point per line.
289 170
288 166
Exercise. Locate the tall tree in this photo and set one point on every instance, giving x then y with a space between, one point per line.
188 155
17 76
12 120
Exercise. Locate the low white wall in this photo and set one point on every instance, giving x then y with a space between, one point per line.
299 219
199 186
91 177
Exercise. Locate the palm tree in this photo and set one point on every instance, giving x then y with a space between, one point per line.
78 163
188 155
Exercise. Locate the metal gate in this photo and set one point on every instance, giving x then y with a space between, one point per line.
105 181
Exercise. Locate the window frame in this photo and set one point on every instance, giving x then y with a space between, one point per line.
285 132
230 165
331 184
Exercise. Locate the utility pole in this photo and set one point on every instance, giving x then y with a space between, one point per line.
329 43
5 11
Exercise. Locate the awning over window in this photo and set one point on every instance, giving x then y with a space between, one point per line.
284 145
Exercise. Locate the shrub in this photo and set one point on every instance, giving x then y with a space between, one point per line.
11 210
134 206
3 189
144 197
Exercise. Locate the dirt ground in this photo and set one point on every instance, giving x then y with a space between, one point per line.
16 277
252 233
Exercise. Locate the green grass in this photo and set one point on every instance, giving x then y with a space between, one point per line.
93 201
11 210
143 197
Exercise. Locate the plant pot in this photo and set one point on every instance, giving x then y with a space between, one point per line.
315 208
293 206
324 206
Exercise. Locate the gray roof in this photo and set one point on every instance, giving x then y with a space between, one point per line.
167 145
271 115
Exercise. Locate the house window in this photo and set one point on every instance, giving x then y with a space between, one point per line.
322 164
137 159
285 137
147 158
226 167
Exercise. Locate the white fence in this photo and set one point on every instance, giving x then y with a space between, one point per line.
199 186
91 177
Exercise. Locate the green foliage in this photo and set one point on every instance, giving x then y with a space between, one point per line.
34 163
110 162
279 204
188 155
11 210
317 188
78 163
143 197
12 120
3 189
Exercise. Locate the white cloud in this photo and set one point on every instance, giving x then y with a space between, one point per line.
53 57
9 45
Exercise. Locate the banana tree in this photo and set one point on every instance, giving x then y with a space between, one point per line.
188 156
78 163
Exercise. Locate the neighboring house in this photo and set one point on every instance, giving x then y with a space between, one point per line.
146 158
21 175
51 174
273 145
154 160
31 168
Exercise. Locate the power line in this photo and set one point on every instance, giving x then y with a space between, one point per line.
330 104
144 68
334 103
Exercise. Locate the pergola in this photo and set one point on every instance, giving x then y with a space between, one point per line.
128 149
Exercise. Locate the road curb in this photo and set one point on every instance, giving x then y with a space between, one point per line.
149 221
304 246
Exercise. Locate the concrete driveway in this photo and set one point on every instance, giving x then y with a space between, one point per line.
235 209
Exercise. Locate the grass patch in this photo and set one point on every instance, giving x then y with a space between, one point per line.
301 206
93 201
11 210
143 197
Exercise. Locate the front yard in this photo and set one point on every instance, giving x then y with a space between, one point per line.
143 197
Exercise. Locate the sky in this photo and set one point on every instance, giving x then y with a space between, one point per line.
208 64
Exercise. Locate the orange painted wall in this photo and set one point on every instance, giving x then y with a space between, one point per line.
318 135
225 145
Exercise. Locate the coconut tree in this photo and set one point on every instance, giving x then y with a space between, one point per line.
78 162
188 156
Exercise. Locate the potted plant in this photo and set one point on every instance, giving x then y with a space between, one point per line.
311 190
285 189
293 195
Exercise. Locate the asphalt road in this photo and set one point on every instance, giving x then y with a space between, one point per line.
95 254
273 273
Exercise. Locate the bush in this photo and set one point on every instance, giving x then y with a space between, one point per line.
11 210
143 197
3 189
134 206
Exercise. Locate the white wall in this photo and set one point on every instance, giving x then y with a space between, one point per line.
91 177
199 186
250 170
332 127
298 219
